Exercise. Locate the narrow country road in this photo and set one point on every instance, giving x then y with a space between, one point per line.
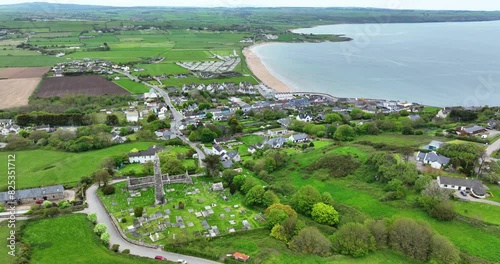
472 199
95 206
493 147
176 123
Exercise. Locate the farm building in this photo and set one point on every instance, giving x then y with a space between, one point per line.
28 196
474 186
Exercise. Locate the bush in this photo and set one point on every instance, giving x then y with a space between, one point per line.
443 211
47 204
92 218
105 237
51 212
115 247
124 220
100 229
353 239
108 190
64 204
138 211
126 251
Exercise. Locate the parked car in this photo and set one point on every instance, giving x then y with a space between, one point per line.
160 258
463 193
181 261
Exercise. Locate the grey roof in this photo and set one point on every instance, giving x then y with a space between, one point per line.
475 185
300 136
33 193
285 121
433 157
217 147
227 164
414 117
276 141
473 129
232 154
436 143
151 151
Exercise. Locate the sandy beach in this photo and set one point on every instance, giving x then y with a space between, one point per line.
261 71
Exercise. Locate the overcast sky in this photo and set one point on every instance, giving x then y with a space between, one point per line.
395 4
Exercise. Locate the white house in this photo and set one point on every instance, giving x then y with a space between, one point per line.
144 156
218 150
436 161
299 138
251 150
305 117
132 116
277 131
151 95
474 186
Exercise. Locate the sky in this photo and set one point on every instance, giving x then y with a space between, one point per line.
393 4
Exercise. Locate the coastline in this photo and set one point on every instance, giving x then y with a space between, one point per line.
261 71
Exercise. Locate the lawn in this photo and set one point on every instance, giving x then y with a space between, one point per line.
224 211
495 190
399 140
133 87
251 139
480 211
4 234
72 241
46 167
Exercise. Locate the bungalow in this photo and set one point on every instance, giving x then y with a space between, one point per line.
227 164
132 116
434 145
285 122
474 186
241 256
305 117
251 150
224 140
436 161
144 156
277 131
218 150
470 130
46 128
276 142
299 138
235 156
119 140
27 196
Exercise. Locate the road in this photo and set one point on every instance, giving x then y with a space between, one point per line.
178 116
472 199
95 206
494 146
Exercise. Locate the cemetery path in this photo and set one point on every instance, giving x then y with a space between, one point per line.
96 206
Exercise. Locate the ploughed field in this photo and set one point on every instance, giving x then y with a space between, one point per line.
17 85
79 85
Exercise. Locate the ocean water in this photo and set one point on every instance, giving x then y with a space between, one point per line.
439 64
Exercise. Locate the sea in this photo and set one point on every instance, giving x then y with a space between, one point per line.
436 64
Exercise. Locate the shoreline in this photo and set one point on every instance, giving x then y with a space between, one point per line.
260 70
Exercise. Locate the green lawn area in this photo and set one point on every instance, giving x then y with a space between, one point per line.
480 211
251 139
396 139
4 234
46 167
131 169
495 190
118 205
70 238
133 87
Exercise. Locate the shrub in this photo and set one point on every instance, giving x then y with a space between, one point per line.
47 204
108 190
64 204
443 211
138 211
311 241
51 212
2 209
324 214
105 237
100 229
92 218
126 251
124 220
115 247
353 239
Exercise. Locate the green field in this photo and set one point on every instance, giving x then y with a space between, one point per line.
133 87
396 139
480 211
45 167
72 241
4 234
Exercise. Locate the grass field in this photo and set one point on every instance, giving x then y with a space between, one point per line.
45 167
72 241
4 234
396 139
133 87
480 211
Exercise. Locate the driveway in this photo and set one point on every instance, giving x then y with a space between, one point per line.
476 200
95 206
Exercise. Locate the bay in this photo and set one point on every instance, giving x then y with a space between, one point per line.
439 64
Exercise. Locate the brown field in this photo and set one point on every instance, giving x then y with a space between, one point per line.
20 73
83 85
15 92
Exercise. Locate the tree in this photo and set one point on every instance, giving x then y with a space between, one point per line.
304 200
344 133
148 167
108 190
207 136
324 214
311 241
112 120
353 239
209 115
270 198
248 185
411 238
213 165
443 251
356 113
333 118
232 188
379 231
101 176
327 198
422 182
115 247
151 118
138 211
433 195
171 164
109 164
443 211
255 196
275 217
465 157
287 209
100 229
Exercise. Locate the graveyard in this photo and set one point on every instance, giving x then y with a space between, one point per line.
191 211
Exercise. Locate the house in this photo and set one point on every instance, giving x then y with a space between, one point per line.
443 113
46 128
474 186
119 140
5 122
276 142
285 122
224 140
151 95
144 156
165 134
217 187
414 117
27 196
299 138
227 164
436 161
305 117
251 150
434 145
218 150
470 130
132 116
277 132
235 156
241 257
492 124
